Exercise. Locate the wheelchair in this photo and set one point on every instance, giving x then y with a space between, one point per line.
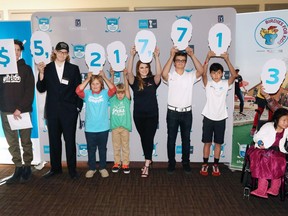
249 183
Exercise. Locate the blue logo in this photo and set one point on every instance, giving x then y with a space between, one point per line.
78 51
82 150
46 149
154 152
222 153
44 24
184 17
271 33
179 149
148 24
112 24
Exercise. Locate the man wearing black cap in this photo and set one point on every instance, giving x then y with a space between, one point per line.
238 92
59 79
17 94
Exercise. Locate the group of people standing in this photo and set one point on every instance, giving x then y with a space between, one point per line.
61 80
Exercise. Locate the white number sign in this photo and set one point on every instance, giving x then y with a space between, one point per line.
116 54
95 57
219 38
41 48
145 42
181 33
273 74
8 64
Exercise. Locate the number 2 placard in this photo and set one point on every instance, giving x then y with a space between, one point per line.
95 57
273 74
181 33
219 38
145 43
40 45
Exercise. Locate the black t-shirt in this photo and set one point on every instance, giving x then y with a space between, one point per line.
145 101
238 80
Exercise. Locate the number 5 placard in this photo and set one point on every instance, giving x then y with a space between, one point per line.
273 74
40 45
145 43
219 38
95 57
116 54
181 33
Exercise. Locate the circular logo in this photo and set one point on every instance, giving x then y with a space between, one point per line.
271 33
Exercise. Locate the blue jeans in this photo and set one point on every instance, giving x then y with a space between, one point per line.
174 120
94 140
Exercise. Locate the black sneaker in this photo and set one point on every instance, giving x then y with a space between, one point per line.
126 169
187 168
116 168
170 169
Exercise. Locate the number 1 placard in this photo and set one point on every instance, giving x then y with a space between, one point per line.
181 33
116 54
219 38
40 45
273 74
95 57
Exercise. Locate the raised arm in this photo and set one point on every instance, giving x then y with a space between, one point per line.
127 90
168 64
233 76
210 54
80 88
196 62
130 65
112 72
157 77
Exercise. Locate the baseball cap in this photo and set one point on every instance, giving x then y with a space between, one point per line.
62 45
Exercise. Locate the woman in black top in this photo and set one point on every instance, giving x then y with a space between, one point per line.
145 112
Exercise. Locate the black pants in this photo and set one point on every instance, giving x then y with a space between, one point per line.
146 127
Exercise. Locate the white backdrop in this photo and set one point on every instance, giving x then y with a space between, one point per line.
79 28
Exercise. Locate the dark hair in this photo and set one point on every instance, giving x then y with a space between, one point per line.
180 53
138 75
278 114
216 67
20 44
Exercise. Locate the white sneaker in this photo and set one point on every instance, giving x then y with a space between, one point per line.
90 173
104 173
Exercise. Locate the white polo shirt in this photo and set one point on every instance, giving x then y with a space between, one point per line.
215 108
181 88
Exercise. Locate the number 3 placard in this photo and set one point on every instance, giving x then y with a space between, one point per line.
116 54
41 48
273 74
181 33
95 57
145 43
219 38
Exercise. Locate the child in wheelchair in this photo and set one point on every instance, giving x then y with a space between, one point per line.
267 156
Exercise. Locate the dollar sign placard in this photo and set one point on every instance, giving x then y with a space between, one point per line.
273 74
219 38
8 62
95 57
41 48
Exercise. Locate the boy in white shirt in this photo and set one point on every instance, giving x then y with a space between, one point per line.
215 111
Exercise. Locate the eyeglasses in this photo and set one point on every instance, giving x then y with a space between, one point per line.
180 60
62 53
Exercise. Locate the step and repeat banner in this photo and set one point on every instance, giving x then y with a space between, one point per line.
261 48
101 29
20 30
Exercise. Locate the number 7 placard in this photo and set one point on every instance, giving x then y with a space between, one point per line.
273 74
181 33
145 43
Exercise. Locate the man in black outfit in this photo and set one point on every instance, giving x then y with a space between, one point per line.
59 79
238 92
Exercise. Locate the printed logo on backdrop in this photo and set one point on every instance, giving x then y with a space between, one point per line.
46 149
184 17
44 23
154 152
147 23
77 22
222 153
179 149
82 150
78 51
112 24
271 33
